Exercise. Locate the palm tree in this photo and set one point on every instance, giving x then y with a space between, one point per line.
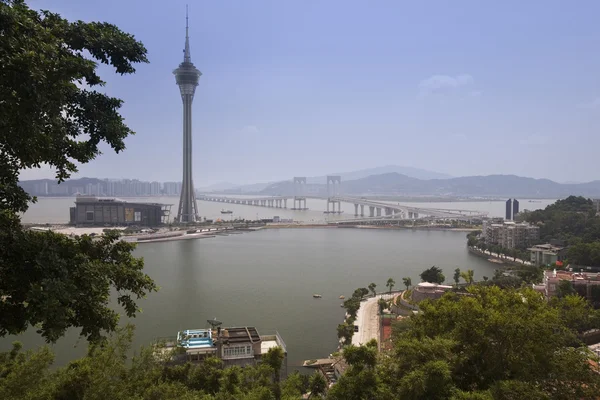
390 283
407 282
468 276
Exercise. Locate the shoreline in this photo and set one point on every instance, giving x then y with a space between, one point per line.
224 231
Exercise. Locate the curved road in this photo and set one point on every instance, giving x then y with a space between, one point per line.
367 320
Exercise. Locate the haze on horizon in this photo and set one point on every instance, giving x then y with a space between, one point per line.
309 88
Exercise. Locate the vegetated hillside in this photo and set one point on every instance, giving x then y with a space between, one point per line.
492 185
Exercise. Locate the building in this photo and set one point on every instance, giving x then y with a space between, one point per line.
94 211
512 209
187 77
585 284
510 234
546 254
239 346
428 290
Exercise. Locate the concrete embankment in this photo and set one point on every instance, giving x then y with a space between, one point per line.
494 258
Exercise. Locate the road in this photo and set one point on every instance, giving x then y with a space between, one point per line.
367 320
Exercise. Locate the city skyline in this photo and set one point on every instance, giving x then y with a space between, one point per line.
453 89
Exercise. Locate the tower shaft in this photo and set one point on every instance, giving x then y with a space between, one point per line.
188 208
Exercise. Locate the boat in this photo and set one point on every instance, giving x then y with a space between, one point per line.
317 296
224 211
342 297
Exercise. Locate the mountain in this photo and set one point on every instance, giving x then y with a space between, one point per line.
346 176
363 173
469 186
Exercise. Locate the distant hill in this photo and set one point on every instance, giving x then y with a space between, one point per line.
363 173
468 186
346 176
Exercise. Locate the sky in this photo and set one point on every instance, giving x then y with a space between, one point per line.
305 88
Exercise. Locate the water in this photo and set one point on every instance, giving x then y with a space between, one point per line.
266 279
55 210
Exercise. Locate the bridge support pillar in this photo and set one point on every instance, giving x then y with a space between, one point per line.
362 210
371 211
356 210
378 211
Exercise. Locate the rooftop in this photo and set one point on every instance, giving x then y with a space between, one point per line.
241 334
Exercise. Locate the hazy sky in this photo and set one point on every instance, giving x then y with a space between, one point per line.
313 87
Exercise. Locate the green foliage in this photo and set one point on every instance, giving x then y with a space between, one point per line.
317 386
382 304
572 219
345 331
390 284
585 253
50 115
433 275
489 340
407 282
457 276
565 288
468 276
106 372
372 287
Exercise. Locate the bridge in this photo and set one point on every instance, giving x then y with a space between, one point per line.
378 211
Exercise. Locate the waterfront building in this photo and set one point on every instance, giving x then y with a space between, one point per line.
428 290
509 234
546 254
239 346
94 211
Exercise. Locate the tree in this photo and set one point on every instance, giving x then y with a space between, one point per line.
468 335
274 359
345 331
457 276
360 293
382 304
47 280
565 288
390 284
433 275
372 287
407 282
468 276
352 305
317 386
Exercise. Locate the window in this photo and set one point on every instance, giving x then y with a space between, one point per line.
237 351
89 215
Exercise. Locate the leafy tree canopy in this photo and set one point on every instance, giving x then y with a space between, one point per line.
433 275
50 114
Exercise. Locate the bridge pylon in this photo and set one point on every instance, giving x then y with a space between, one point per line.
300 193
333 192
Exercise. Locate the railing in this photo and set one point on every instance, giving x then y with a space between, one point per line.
275 336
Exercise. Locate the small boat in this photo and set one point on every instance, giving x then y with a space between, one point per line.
342 305
342 297
317 296
224 211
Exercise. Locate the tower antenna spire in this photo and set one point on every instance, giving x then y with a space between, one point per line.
186 53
